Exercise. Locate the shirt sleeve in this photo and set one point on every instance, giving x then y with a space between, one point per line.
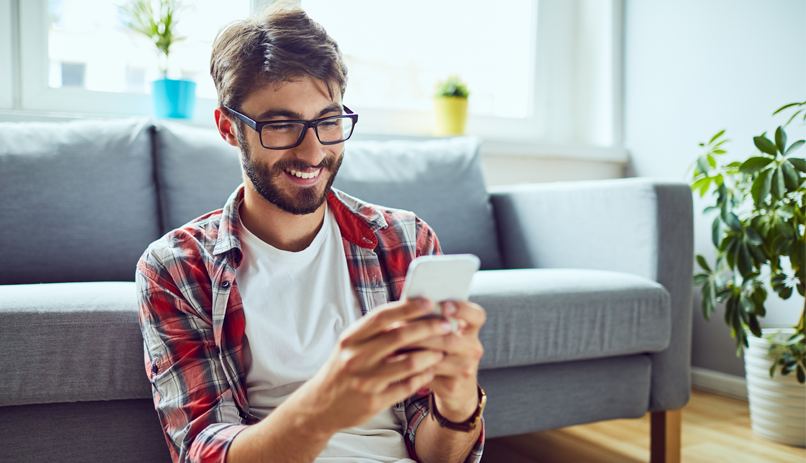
191 394
417 407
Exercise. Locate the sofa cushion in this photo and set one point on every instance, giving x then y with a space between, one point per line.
439 180
67 342
78 200
539 316
197 172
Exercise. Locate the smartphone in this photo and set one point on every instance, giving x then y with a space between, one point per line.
440 278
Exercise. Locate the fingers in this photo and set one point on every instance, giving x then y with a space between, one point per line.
403 366
472 314
404 336
452 344
399 391
379 321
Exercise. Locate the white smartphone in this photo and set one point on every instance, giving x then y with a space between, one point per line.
440 278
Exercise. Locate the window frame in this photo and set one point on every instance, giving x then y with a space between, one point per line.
6 54
36 94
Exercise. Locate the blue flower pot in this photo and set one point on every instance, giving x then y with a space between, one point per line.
174 98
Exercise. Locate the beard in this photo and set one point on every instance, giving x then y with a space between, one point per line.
265 180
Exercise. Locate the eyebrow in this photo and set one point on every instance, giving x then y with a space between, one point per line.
288 114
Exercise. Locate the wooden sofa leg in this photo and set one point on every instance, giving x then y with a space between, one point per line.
665 436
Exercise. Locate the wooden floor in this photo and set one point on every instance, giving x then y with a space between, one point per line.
715 429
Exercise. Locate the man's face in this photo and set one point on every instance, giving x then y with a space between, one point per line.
296 180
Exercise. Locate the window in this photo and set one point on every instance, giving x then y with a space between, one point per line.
395 63
6 53
537 70
540 71
81 57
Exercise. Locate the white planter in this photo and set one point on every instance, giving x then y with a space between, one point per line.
778 404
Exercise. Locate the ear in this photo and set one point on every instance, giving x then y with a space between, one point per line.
225 127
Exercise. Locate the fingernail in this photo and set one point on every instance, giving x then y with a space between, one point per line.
449 308
446 326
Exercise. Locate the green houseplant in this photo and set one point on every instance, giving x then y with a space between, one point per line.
157 20
450 106
760 220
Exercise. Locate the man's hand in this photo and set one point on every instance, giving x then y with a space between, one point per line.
364 375
454 384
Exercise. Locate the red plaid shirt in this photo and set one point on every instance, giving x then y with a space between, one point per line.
192 318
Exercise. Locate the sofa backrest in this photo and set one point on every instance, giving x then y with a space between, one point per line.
440 180
82 200
78 200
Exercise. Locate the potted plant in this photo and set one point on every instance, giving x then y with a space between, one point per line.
156 19
760 222
450 106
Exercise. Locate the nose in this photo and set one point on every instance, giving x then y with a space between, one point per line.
310 149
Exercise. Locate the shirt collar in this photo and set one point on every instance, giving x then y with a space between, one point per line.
357 221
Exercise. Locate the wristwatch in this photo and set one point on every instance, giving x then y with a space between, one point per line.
465 426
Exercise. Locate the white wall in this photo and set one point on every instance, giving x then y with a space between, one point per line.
692 68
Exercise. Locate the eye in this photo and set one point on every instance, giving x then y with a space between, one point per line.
279 127
329 124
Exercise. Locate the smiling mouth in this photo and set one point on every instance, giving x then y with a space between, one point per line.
304 175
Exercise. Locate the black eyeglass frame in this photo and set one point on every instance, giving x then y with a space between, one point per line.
258 127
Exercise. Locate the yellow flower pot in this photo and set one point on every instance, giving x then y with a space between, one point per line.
450 113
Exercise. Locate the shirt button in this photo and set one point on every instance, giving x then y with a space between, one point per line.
225 284
155 369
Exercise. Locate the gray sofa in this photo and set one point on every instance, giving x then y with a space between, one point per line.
587 285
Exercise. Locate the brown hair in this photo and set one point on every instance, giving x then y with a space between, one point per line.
280 44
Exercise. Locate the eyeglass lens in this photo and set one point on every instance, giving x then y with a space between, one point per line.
282 134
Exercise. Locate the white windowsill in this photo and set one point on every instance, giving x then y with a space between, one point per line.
490 146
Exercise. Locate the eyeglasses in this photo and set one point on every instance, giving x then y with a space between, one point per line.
283 135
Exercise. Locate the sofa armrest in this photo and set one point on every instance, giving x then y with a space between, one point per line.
638 226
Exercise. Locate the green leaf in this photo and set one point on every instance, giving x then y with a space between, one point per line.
755 164
702 164
743 259
733 222
719 151
708 300
711 160
701 278
799 163
703 263
778 189
719 134
730 252
716 231
761 187
730 309
801 375
794 116
701 184
786 106
764 145
758 254
755 328
780 139
753 236
791 177
793 147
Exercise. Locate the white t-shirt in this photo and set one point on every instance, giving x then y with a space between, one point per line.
296 304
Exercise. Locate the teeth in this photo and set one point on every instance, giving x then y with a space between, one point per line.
303 174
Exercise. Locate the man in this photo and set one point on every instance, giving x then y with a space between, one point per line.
269 328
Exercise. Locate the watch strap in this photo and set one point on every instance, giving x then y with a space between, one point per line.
465 426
